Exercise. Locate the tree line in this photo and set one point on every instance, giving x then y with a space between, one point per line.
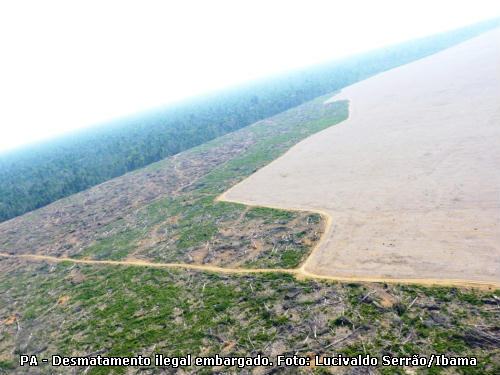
34 176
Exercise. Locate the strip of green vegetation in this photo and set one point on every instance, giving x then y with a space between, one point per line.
114 248
199 219
125 311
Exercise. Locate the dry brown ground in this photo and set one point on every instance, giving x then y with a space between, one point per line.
411 179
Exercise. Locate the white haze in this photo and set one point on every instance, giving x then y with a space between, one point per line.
68 64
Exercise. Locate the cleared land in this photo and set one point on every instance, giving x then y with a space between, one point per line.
151 263
80 309
167 212
410 180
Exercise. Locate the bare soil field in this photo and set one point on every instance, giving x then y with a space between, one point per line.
411 181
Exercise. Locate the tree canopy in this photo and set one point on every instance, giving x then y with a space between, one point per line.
36 175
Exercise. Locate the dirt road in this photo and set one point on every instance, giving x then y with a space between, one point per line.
300 273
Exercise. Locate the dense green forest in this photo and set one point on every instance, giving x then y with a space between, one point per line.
37 175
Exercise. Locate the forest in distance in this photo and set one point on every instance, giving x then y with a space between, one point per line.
36 175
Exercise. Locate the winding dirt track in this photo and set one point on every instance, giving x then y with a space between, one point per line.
300 272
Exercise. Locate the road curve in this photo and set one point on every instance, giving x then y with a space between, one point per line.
299 273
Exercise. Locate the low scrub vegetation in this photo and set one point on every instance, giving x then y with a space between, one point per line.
72 309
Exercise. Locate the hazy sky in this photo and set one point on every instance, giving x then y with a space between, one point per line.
68 64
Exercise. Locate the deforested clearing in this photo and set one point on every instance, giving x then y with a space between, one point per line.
410 180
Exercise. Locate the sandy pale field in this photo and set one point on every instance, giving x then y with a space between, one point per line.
411 180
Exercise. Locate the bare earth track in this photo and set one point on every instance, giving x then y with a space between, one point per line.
410 180
298 272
